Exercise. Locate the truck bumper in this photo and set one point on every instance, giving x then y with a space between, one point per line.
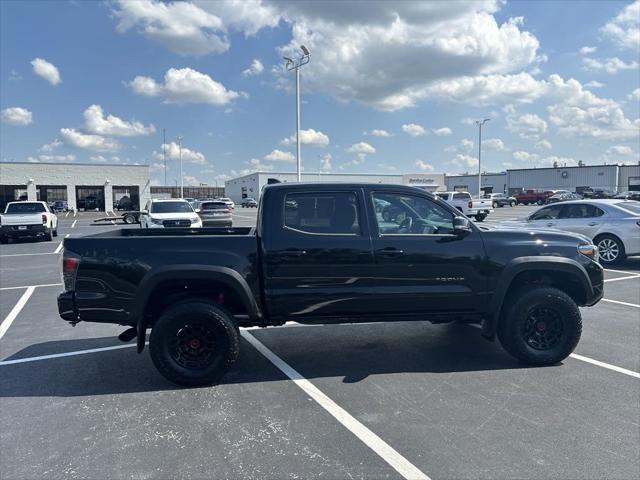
14 231
66 307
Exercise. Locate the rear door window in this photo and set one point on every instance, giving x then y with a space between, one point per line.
329 213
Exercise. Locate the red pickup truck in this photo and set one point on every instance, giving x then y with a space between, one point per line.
528 197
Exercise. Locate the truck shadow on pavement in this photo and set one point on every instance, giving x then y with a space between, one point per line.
352 352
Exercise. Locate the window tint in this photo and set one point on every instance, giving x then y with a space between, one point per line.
322 213
400 214
444 196
461 196
547 213
25 208
580 211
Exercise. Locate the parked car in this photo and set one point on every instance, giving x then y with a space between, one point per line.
479 209
28 219
500 200
325 254
563 197
215 214
614 225
169 214
597 193
530 197
249 202
61 206
228 201
628 195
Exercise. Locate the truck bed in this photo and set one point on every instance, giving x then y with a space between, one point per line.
175 232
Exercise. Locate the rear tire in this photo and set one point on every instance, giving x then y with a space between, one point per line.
611 249
480 217
494 204
48 236
4 240
512 203
194 343
541 326
129 219
540 202
55 232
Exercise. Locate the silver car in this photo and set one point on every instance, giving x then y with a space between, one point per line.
614 225
215 214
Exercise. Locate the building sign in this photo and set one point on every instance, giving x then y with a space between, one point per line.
421 180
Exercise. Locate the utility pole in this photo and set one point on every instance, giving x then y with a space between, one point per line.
480 124
291 64
180 137
164 155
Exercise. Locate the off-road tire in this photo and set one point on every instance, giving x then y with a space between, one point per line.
512 203
605 243
480 217
129 219
55 232
48 236
526 304
190 315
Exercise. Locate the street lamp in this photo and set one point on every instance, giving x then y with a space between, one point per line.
180 137
291 64
480 124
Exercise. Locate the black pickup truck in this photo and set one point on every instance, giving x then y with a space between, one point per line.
330 253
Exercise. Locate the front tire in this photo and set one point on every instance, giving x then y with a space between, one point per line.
129 219
194 343
540 202
48 236
611 249
480 217
541 326
512 203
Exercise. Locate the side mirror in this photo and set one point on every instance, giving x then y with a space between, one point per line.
461 226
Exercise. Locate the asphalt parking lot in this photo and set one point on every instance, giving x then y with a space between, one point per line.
396 400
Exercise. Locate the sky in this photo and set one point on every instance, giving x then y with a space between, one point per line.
391 86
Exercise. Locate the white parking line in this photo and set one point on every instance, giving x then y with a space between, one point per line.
621 278
74 223
28 254
621 303
34 286
74 213
57 250
17 308
66 214
370 439
66 354
631 373
621 271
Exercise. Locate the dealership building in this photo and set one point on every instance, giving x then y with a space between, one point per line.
83 186
251 185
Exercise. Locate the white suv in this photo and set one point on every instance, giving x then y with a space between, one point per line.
171 213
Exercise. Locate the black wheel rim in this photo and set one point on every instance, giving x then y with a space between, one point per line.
543 328
194 346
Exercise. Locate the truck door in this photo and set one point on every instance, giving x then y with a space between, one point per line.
317 254
422 267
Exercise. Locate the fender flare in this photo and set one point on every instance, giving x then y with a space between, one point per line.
523 264
225 275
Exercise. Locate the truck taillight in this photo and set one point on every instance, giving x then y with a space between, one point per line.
70 263
44 219
470 204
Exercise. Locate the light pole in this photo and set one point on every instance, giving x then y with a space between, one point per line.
291 64
480 124
180 137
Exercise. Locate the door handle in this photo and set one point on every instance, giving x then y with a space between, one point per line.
593 224
550 224
294 252
389 252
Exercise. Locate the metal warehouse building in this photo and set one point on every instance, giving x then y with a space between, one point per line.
83 186
491 183
251 185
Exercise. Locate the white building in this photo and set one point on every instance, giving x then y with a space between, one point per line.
491 183
251 185
83 186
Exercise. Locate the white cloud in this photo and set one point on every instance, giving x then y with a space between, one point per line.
172 151
256 165
528 126
376 132
308 137
280 156
588 50
386 166
361 148
414 130
624 28
424 166
325 162
52 158
184 85
523 156
46 70
14 76
558 161
635 95
494 144
463 161
50 147
98 143
621 150
191 181
16 116
256 68
609 65
440 132
156 167
544 145
466 144
451 39
95 122
594 84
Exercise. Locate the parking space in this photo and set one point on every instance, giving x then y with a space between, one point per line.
395 400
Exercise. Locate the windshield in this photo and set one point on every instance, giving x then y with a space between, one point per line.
171 207
25 208
631 207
